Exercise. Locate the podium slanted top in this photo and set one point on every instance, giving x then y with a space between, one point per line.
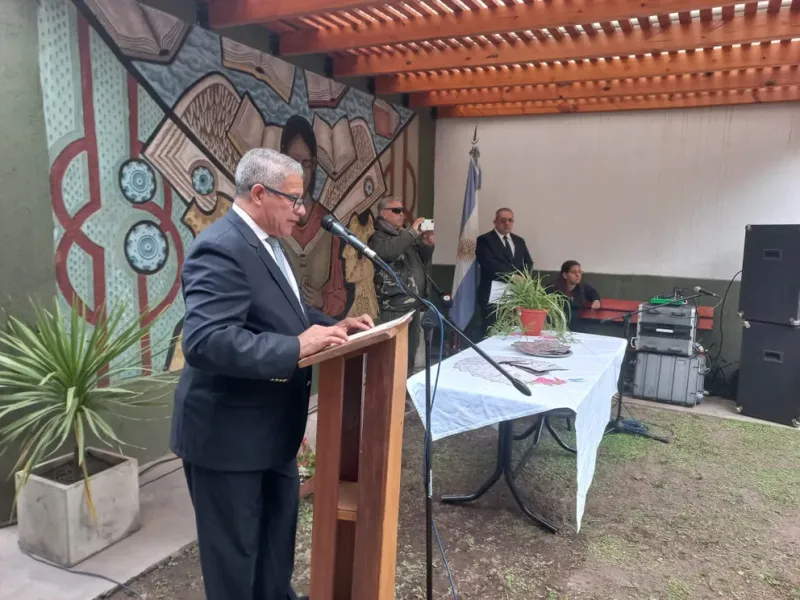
359 341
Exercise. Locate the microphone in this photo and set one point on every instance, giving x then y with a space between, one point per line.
699 290
334 227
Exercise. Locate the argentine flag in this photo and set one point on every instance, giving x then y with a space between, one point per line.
465 282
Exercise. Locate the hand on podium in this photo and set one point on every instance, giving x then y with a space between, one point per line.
317 338
356 324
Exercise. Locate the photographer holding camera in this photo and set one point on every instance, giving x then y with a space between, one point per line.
408 250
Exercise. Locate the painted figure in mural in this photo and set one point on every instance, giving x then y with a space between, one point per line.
359 271
242 402
310 251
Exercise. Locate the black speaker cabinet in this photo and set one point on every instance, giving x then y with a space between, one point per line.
769 373
770 289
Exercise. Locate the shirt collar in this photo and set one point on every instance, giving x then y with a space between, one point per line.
502 235
260 233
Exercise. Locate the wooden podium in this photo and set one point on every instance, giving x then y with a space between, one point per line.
361 406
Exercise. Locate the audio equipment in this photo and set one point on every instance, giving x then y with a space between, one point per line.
666 329
670 379
769 373
770 288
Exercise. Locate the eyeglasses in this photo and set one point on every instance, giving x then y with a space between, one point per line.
506 220
297 201
398 210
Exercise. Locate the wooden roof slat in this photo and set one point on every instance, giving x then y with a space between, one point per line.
230 13
515 17
774 6
590 29
572 31
644 22
685 17
607 27
664 21
750 8
625 25
728 12
760 27
706 15
664 101
697 82
555 33
795 5
717 59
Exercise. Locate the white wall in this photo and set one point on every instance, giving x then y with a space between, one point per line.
660 192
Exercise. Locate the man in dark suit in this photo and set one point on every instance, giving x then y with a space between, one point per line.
242 402
498 253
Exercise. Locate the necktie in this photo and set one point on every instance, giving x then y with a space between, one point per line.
508 246
280 259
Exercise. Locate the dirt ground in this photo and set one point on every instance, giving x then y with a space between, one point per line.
715 514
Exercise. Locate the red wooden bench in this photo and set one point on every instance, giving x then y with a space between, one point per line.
610 307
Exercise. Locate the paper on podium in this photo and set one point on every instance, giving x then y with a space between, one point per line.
355 342
379 328
498 289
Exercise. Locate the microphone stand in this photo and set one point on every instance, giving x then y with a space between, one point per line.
429 323
618 424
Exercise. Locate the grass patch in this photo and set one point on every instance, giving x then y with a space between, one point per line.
678 590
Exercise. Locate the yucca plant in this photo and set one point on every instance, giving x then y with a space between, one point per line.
524 289
50 383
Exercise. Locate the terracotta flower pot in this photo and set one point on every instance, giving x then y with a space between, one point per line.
532 320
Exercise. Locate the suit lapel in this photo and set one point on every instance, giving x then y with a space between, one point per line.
270 263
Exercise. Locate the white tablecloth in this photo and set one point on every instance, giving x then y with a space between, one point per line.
471 394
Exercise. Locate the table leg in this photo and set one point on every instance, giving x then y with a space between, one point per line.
557 438
505 443
493 478
508 446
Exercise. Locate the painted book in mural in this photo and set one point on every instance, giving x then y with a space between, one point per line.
248 131
274 72
139 31
324 92
336 150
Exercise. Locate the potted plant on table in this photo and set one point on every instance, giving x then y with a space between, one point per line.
529 307
53 397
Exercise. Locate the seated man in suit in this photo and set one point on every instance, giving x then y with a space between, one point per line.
580 295
498 253
242 402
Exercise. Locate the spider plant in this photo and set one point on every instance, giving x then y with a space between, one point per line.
53 378
526 290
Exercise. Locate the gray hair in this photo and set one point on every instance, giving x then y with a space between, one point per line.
384 202
268 167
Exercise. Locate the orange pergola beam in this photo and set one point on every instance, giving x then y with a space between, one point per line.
230 13
698 61
642 86
697 34
496 19
622 103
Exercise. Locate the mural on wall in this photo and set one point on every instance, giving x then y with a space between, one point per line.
147 117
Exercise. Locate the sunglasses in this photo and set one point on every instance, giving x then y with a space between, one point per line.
398 210
297 201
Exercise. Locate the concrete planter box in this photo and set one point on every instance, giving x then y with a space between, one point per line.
54 521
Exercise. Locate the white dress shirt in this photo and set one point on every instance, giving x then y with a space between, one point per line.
510 241
263 236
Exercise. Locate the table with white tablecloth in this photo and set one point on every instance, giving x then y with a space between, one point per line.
471 394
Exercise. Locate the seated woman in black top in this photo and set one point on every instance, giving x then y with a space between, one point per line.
579 294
